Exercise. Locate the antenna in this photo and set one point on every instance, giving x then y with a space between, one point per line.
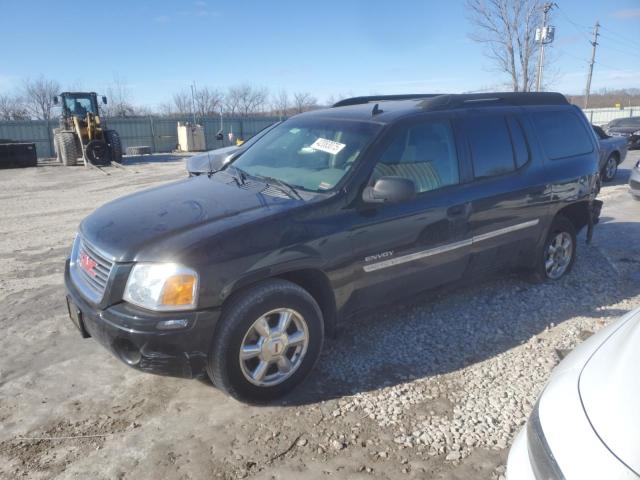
210 172
376 110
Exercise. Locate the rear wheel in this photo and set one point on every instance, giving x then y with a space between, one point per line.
610 168
559 252
268 340
68 148
115 145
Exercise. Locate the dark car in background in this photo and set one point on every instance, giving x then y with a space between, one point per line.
238 275
613 151
214 160
628 128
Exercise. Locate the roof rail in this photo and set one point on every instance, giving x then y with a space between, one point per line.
435 101
493 98
378 98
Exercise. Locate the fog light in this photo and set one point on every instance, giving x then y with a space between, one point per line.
172 324
128 352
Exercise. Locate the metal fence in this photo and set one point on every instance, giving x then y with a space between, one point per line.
161 134
600 116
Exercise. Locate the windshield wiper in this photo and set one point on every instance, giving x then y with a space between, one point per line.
283 186
238 175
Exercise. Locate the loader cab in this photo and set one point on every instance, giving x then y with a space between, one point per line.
78 104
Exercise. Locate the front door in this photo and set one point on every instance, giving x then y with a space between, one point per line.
418 244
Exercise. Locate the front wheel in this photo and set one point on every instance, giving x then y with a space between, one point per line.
268 340
559 252
610 169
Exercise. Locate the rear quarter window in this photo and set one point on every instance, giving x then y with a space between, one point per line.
562 134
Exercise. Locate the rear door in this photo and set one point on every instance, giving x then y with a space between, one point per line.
411 246
508 192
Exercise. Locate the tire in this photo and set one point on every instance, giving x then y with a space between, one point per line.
56 146
144 150
610 168
115 145
97 152
236 328
561 227
68 147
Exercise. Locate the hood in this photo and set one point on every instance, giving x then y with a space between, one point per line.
610 388
155 223
213 160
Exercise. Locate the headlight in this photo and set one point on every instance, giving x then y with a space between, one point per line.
637 132
162 286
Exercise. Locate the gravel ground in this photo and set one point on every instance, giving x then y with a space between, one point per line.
435 387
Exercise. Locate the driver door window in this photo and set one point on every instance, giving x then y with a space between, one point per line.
422 152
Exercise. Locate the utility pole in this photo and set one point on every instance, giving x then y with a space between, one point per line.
544 35
193 101
594 44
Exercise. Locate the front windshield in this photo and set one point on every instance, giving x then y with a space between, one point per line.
79 105
312 154
626 122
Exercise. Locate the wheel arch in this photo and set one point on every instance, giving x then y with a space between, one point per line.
313 280
577 213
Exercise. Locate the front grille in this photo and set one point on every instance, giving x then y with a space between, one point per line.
93 269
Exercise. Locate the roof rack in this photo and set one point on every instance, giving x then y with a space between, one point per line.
493 98
378 98
436 101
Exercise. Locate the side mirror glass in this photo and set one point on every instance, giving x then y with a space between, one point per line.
390 190
104 100
219 135
55 100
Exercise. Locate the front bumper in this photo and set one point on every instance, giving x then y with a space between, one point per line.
131 334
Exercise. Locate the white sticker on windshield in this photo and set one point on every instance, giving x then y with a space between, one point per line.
329 146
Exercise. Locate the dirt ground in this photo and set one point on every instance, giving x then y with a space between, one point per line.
69 409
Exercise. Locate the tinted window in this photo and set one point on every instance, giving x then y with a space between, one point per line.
562 134
625 122
491 147
520 147
424 153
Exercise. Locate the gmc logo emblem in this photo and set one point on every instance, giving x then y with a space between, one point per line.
88 264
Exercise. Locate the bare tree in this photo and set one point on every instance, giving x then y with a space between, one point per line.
245 100
303 102
208 101
182 102
119 103
12 108
280 103
507 29
38 97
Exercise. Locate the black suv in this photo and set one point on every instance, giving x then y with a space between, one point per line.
239 274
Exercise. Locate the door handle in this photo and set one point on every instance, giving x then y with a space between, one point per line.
456 210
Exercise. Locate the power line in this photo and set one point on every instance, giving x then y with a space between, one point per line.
618 42
627 39
626 52
582 29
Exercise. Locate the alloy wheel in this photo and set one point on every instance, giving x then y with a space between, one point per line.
558 255
274 346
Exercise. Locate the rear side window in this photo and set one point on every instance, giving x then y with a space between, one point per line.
562 134
491 148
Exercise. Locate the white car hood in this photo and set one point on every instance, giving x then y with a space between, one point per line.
610 392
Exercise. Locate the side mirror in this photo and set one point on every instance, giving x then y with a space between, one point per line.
220 135
390 190
55 100
104 100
